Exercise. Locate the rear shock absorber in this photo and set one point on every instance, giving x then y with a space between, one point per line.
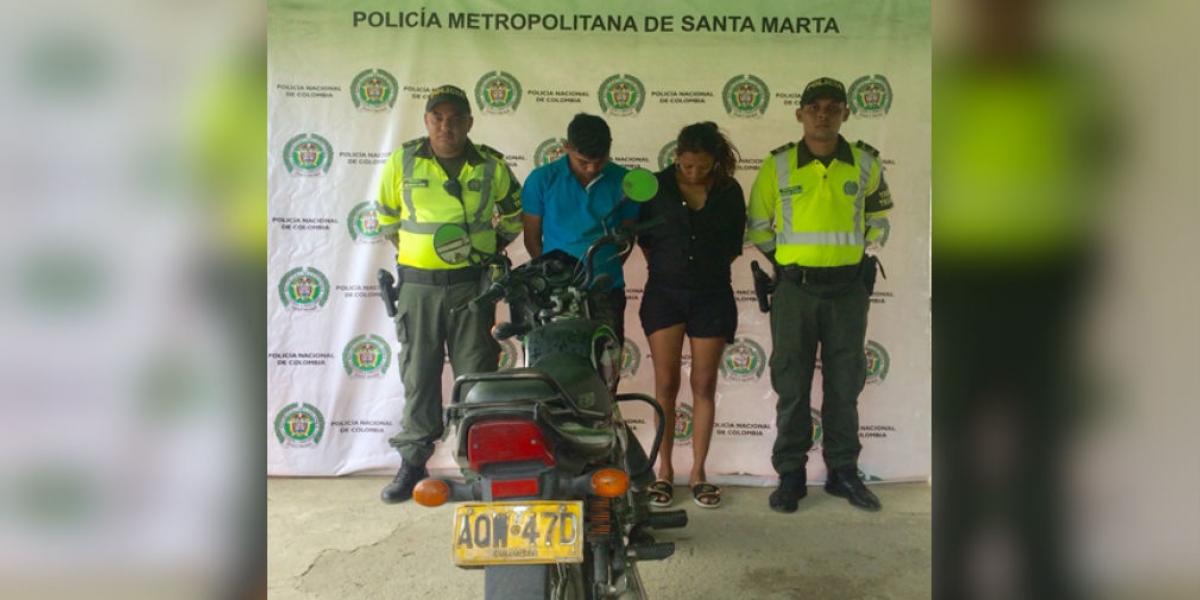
599 530
599 518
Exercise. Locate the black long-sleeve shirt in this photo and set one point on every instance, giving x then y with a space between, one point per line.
693 249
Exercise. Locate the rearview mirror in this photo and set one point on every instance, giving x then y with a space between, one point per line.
452 244
639 185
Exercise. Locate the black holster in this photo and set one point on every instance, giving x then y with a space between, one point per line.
763 286
869 268
389 291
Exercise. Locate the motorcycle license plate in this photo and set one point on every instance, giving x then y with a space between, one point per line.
521 532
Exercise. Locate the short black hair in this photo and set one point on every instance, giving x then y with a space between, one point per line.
589 135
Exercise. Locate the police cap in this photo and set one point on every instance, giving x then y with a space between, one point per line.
823 86
451 94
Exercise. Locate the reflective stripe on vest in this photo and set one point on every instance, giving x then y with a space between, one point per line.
784 233
409 163
760 224
877 222
485 193
384 209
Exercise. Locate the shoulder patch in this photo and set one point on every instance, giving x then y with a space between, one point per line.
784 148
869 148
484 148
413 143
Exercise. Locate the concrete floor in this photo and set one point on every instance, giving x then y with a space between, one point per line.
332 538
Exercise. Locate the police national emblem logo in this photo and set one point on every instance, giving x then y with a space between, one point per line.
498 93
374 90
622 95
510 356
666 156
299 425
744 360
363 223
870 96
683 422
549 151
367 357
878 362
631 358
308 154
746 96
304 288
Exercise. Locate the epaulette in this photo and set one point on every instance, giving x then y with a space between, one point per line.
784 148
492 151
413 143
869 148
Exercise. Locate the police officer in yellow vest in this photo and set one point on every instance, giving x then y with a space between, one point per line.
814 207
437 198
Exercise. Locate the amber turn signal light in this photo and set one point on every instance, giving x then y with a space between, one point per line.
431 492
610 483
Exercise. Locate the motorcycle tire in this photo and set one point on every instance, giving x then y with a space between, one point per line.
535 582
567 582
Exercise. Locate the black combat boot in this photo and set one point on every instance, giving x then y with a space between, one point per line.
401 488
792 487
844 482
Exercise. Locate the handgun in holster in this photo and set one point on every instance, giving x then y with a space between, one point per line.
389 290
763 286
870 267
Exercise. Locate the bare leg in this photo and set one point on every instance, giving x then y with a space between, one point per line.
706 361
666 350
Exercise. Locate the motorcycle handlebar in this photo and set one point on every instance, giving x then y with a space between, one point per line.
493 294
602 282
620 237
504 331
511 279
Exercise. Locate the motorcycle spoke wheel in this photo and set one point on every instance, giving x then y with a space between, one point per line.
566 582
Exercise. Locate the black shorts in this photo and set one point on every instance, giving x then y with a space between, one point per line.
707 313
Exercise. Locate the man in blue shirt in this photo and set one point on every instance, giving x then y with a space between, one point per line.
571 201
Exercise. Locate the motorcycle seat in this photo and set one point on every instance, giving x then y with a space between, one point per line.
585 436
588 439
511 389
579 379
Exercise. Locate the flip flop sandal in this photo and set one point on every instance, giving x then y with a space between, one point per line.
706 495
662 493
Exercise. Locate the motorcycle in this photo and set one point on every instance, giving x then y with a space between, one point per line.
553 505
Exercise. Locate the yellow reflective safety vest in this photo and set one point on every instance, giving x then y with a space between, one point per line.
1025 161
816 216
413 202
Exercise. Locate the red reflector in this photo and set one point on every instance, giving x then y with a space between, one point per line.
506 440
515 487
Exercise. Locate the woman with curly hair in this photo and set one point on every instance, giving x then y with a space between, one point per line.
689 290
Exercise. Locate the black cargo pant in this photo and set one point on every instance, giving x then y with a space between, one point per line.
427 329
805 317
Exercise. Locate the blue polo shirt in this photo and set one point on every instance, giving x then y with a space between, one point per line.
571 214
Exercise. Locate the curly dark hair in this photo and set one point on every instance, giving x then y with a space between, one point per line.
707 137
